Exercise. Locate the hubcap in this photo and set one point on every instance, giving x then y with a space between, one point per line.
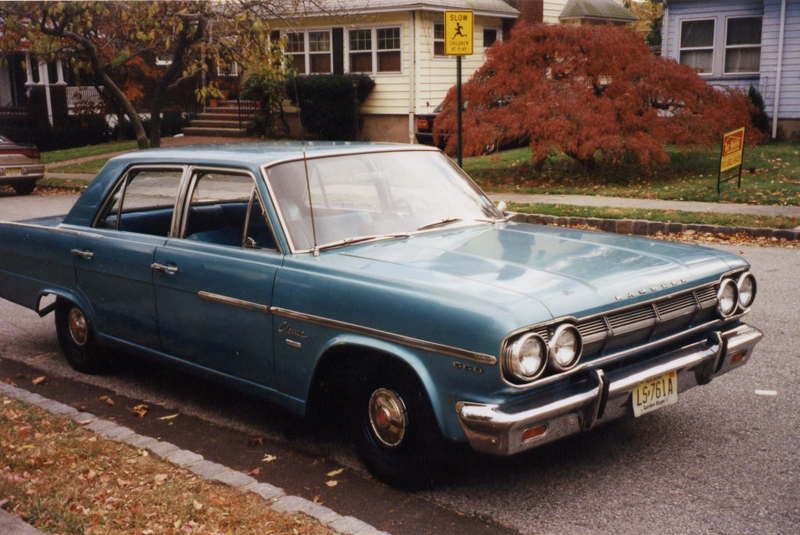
78 326
387 416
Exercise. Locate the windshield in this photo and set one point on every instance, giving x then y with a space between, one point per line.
359 196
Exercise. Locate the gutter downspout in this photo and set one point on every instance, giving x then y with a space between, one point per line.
778 72
412 93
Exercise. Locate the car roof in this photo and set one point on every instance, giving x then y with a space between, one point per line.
258 153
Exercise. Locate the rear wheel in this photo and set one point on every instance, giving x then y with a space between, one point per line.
396 433
24 188
77 340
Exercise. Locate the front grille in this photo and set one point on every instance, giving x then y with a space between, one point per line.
641 323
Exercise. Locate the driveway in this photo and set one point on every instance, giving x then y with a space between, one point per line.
723 460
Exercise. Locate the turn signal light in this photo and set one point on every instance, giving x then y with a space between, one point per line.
534 432
738 357
423 124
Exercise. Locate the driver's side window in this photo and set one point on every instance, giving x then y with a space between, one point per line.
225 209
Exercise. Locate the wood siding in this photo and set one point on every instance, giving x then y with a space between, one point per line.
789 107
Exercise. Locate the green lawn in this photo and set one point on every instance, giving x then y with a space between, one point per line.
771 176
671 216
89 167
89 150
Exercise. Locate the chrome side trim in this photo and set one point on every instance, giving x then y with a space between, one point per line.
57 228
232 301
385 335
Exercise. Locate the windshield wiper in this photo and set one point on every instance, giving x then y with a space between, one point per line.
441 223
358 239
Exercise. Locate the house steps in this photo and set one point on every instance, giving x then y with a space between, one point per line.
223 119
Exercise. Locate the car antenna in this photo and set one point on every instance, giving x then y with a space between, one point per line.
310 204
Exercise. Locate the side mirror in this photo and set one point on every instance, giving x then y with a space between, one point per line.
502 206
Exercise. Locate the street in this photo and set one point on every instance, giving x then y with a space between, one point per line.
724 459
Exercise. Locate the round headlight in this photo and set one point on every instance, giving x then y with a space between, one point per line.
727 298
747 289
565 347
526 357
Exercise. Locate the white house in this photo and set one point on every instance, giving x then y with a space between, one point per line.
399 43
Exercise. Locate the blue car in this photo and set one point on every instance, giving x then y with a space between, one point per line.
377 286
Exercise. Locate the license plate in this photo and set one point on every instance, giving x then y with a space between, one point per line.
13 171
655 393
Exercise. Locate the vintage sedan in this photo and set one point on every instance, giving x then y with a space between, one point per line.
376 285
20 166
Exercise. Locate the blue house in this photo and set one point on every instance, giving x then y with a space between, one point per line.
742 43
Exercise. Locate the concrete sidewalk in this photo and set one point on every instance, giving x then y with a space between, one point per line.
12 525
649 204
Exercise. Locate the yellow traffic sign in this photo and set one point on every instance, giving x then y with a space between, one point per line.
458 33
732 149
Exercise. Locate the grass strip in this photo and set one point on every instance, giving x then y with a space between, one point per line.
61 155
64 479
89 167
670 216
771 175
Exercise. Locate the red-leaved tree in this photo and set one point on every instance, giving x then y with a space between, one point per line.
590 92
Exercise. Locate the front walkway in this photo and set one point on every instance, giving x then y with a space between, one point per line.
649 204
12 525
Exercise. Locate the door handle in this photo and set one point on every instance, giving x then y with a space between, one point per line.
86 255
164 268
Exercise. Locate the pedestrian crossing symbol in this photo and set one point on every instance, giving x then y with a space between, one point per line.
458 33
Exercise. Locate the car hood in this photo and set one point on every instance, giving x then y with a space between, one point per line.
569 271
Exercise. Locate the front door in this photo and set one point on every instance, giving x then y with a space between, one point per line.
214 280
113 263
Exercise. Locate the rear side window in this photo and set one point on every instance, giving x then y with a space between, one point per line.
225 209
144 202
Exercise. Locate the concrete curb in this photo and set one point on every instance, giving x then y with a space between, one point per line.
210 471
649 228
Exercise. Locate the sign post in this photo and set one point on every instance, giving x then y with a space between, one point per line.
731 157
458 42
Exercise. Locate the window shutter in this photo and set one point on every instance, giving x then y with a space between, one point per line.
337 38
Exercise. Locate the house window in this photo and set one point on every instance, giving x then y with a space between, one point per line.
361 51
697 44
316 57
375 50
296 50
388 49
743 45
489 37
438 39
229 69
319 51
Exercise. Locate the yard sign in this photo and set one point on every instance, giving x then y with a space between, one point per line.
458 36
732 150
731 156
458 33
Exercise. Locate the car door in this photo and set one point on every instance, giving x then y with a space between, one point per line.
113 262
215 278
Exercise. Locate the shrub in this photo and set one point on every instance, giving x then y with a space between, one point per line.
758 114
329 103
592 93
269 91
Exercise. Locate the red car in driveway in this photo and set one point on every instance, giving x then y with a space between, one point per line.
20 166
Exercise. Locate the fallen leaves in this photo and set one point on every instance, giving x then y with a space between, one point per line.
169 417
140 410
255 472
334 473
159 479
107 400
39 380
331 483
268 458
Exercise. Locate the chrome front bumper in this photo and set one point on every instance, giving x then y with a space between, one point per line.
604 395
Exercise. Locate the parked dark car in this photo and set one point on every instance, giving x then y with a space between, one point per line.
424 129
20 166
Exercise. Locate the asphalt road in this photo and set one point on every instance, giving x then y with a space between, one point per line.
723 460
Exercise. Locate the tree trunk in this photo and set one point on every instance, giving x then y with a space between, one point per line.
155 124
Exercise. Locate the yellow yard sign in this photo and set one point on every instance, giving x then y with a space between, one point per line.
458 33
732 150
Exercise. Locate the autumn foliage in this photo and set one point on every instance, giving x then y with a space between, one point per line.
592 93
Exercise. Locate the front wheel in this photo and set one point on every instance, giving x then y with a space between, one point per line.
396 433
77 340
